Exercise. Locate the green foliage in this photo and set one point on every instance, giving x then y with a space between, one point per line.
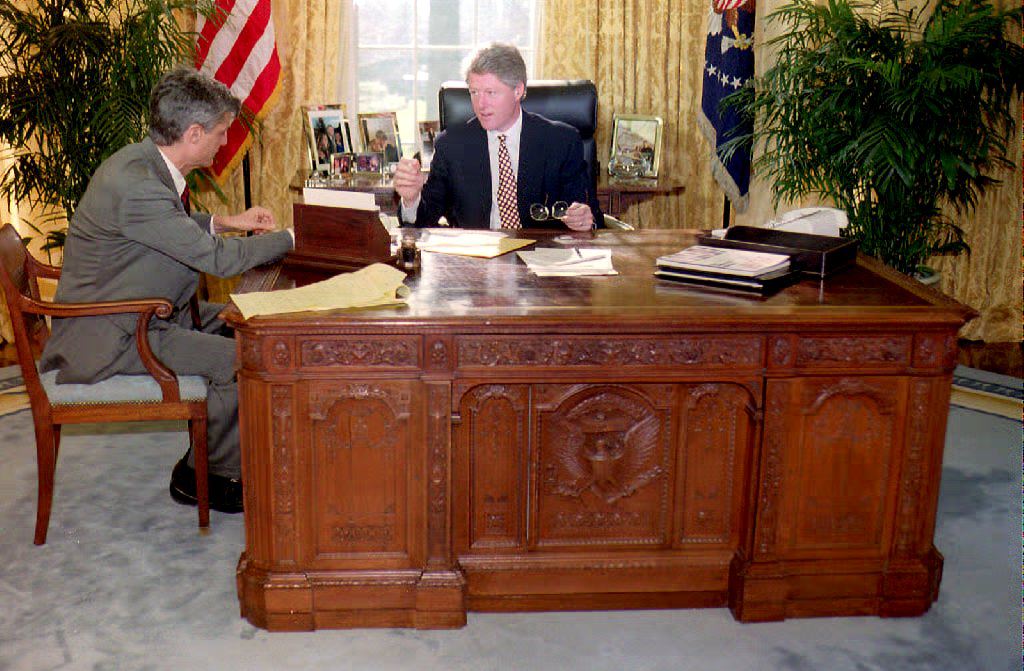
76 77
890 115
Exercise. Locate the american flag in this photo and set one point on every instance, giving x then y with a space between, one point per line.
728 64
236 46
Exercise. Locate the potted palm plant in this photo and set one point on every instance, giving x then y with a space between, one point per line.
897 116
75 77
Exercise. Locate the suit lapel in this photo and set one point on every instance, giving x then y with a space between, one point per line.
478 165
530 176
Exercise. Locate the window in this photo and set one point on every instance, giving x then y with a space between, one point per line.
406 49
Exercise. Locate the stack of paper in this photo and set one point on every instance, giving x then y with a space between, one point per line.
550 262
724 260
722 267
486 244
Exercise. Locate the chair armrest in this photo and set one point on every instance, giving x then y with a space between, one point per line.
146 308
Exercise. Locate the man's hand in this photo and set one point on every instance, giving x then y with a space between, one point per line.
579 217
408 180
256 219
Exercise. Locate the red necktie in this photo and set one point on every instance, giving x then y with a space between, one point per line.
186 201
507 210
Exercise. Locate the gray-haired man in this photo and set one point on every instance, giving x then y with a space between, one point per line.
542 159
131 236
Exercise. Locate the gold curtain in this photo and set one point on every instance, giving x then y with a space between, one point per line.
646 57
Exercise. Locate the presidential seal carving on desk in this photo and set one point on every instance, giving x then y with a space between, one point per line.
606 444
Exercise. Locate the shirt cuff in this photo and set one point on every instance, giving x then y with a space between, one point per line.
409 211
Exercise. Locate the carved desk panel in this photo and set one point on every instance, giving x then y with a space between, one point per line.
508 442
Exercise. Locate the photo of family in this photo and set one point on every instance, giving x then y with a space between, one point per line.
379 132
328 133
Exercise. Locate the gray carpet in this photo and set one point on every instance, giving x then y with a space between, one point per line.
126 582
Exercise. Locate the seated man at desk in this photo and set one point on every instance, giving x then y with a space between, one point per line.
133 236
488 172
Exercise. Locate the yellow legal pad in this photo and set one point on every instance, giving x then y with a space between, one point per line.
371 286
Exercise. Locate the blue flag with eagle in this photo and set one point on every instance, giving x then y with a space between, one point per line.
728 64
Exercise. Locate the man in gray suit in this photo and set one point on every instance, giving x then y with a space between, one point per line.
132 236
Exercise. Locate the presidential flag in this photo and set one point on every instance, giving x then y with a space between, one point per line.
728 64
236 46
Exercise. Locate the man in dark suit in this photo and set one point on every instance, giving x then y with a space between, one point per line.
132 236
488 172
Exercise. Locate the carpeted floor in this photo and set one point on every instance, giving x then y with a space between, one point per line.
126 582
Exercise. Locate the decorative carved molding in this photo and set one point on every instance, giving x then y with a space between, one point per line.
912 478
771 476
373 352
323 396
438 354
438 442
251 354
854 350
283 472
780 351
712 412
933 350
280 353
580 351
497 422
850 386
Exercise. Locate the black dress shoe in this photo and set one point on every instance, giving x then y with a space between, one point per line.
225 493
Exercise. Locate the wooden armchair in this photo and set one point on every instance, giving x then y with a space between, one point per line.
161 395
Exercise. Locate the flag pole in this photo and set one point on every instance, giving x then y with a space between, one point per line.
247 185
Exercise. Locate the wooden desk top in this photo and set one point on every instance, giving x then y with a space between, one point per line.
501 292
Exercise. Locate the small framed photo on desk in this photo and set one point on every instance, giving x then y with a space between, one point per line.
637 139
327 133
379 131
369 161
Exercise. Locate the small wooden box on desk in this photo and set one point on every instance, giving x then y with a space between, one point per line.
338 238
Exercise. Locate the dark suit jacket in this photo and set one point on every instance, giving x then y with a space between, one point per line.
130 238
551 168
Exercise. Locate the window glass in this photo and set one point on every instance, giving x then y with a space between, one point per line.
407 49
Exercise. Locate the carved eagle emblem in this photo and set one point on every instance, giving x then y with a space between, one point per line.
607 444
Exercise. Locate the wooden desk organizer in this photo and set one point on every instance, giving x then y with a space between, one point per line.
338 238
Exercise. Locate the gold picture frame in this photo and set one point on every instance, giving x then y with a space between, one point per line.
327 133
379 134
637 137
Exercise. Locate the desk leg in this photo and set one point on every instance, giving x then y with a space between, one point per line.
440 596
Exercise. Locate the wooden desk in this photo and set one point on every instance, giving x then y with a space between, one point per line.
613 195
508 442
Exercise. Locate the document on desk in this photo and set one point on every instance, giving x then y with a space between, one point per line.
372 286
484 244
552 262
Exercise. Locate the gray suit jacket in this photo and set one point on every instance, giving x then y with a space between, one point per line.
130 238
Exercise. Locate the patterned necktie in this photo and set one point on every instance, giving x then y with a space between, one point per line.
507 210
186 200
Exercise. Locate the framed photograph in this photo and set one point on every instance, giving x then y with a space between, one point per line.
369 161
638 137
379 132
428 130
342 163
327 133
